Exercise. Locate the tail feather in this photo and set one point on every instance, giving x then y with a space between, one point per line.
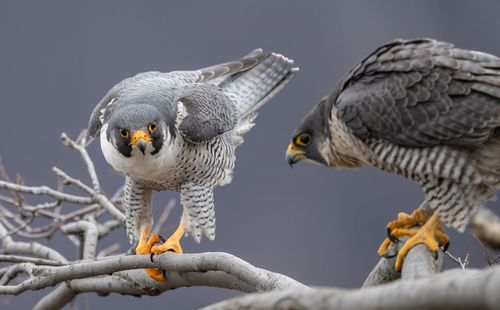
249 88
252 88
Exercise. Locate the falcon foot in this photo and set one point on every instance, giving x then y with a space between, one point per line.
144 247
172 244
429 233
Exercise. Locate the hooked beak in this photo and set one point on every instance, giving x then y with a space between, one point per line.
141 139
293 155
142 146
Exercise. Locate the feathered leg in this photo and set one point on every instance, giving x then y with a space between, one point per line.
139 220
198 217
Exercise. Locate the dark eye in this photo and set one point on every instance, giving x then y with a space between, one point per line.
124 133
303 139
152 127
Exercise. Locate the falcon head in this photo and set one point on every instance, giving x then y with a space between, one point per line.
136 130
309 140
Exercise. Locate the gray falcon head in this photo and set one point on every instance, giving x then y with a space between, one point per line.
310 138
136 130
134 119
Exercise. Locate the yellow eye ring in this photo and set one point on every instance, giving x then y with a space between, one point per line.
152 127
303 140
124 133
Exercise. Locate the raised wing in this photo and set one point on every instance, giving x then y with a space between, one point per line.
231 68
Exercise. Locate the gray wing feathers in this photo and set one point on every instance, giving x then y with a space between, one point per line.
217 73
253 88
422 93
209 113
248 89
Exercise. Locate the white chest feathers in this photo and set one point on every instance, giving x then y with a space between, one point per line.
150 167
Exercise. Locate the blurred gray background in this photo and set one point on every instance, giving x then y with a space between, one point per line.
319 226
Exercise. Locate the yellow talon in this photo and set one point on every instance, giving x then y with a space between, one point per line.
144 247
172 244
430 233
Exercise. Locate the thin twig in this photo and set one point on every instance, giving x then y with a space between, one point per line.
69 180
462 263
45 190
26 259
80 147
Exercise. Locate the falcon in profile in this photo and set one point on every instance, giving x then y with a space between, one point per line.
178 131
422 109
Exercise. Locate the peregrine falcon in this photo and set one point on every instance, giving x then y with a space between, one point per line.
178 131
425 110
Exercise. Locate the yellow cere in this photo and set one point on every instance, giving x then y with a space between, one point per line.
139 134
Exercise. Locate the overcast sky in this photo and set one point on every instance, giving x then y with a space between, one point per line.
319 226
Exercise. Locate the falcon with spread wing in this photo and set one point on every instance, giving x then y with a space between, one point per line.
178 131
425 110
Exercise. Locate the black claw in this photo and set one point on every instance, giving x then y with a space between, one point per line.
131 251
163 273
436 255
446 246
388 256
162 239
151 257
391 237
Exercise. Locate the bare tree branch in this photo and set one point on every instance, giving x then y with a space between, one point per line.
453 289
419 263
79 145
25 259
46 191
57 299
247 275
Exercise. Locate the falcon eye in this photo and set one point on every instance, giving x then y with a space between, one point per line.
152 127
124 133
303 139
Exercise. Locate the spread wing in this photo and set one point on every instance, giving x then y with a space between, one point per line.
208 113
422 93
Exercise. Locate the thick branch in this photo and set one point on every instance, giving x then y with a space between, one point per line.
188 267
419 263
59 297
453 289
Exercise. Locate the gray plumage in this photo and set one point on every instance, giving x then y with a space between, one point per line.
192 122
422 109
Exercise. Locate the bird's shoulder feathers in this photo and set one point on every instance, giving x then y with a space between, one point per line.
422 93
